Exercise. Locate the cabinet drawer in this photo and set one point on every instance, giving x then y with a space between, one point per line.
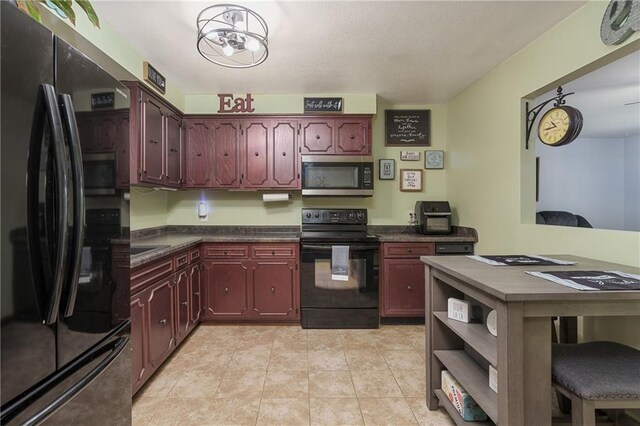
226 251
194 255
147 275
287 251
181 260
408 249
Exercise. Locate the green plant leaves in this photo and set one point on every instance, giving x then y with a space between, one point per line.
91 13
31 8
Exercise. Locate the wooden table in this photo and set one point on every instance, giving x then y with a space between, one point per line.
522 351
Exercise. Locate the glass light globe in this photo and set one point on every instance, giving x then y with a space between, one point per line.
227 50
253 45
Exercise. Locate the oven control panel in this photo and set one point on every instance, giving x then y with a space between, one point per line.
334 216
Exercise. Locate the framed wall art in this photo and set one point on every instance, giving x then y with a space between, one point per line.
434 159
387 169
407 127
410 180
410 155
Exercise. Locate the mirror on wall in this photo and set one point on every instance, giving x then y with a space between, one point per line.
594 181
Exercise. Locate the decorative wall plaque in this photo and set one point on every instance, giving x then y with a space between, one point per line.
407 127
410 155
434 159
103 100
323 104
152 75
239 104
387 169
410 180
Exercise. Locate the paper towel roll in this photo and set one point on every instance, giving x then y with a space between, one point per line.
269 198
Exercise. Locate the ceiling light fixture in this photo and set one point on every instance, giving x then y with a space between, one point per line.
232 36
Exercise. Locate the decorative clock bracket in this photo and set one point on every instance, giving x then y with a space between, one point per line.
533 113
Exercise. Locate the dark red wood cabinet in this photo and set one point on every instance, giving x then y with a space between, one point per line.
155 131
251 283
198 153
226 154
165 307
402 282
347 135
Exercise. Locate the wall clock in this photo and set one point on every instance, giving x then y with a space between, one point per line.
433 159
560 126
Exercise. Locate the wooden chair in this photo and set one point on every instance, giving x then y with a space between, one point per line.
595 375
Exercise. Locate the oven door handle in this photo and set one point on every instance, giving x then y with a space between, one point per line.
360 247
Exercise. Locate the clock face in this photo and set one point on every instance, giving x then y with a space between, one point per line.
554 126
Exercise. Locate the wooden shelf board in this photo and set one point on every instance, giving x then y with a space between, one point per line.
475 334
453 413
473 378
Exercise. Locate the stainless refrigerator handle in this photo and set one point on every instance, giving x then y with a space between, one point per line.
47 96
115 347
77 238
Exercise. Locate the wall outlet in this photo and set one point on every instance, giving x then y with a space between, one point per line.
411 217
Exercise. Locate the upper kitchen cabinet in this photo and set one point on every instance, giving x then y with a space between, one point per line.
198 153
156 140
345 135
226 154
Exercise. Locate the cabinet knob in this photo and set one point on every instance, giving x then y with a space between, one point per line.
317 136
409 287
273 289
197 293
226 252
352 137
284 154
198 154
163 321
226 289
408 250
226 154
184 303
173 150
273 252
256 154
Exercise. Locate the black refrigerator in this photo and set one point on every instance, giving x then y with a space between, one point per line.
65 350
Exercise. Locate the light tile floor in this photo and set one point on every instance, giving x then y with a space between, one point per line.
284 375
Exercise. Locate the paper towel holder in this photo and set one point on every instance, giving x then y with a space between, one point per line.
276 197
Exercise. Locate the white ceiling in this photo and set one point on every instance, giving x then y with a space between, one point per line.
407 52
602 95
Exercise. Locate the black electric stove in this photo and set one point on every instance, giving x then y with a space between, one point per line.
350 300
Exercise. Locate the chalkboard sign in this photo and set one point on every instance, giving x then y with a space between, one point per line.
152 75
323 104
407 127
103 100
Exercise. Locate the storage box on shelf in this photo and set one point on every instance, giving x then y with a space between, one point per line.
251 282
465 349
403 278
165 307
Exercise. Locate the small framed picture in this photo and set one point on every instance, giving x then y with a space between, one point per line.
387 169
410 155
434 159
410 180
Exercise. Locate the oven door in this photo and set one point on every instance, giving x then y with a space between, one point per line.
99 174
318 290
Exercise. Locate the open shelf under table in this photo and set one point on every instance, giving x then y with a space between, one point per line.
475 334
453 413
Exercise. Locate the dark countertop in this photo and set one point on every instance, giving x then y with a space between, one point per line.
173 239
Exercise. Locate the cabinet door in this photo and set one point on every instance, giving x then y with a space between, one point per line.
353 136
107 131
256 154
161 321
199 154
152 149
138 341
403 287
87 131
284 153
274 290
225 289
226 154
173 160
196 300
183 310
122 153
317 137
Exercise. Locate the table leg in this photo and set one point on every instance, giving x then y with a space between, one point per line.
537 370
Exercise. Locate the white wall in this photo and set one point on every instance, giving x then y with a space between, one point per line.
632 183
585 177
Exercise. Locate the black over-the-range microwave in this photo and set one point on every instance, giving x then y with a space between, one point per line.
99 173
337 176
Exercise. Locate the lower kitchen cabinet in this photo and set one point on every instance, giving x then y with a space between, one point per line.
403 278
165 307
256 283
